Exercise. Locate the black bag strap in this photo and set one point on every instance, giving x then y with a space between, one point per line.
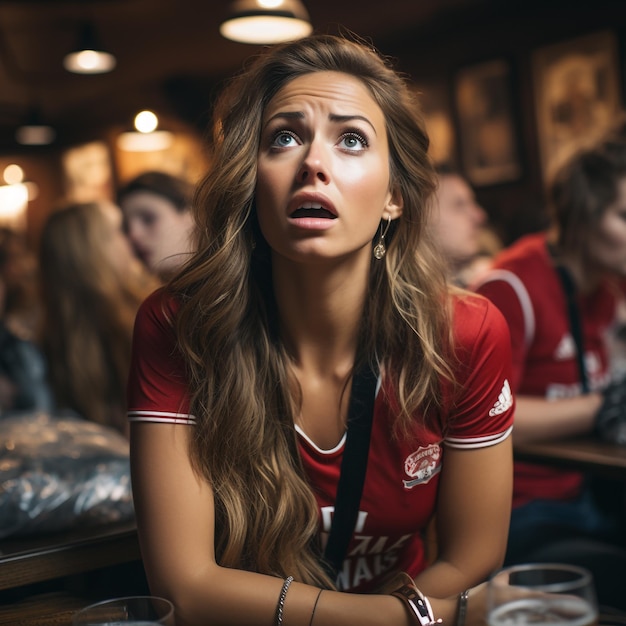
353 468
569 288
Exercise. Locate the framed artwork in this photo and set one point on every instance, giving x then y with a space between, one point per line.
577 95
435 106
88 172
487 133
184 156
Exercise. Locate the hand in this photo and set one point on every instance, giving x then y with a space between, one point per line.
476 602
610 422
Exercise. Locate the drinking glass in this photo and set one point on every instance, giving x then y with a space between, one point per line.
130 611
542 594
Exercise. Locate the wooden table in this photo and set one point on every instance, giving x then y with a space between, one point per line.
587 454
27 562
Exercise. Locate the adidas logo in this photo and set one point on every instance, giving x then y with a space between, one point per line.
504 401
566 349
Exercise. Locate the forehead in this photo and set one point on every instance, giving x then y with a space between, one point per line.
339 92
145 200
452 184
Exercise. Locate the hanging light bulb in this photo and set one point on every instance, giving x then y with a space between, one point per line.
145 137
14 198
33 131
266 21
89 57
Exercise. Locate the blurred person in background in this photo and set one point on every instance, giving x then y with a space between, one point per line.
23 379
92 285
459 228
549 286
158 220
18 271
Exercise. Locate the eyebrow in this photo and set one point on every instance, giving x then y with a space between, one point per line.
333 117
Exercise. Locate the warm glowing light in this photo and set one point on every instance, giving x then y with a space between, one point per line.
261 29
32 189
13 204
266 21
13 174
89 62
35 135
146 122
145 142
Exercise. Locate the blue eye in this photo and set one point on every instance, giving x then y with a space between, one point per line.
283 139
353 141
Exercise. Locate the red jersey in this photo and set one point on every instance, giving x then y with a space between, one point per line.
527 289
402 477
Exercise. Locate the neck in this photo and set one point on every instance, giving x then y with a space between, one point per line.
320 309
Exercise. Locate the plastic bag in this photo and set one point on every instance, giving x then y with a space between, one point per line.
58 472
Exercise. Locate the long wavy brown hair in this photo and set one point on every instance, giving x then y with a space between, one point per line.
242 392
89 308
583 189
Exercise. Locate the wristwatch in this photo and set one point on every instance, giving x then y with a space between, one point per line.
418 604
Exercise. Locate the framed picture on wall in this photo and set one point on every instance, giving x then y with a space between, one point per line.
577 95
88 172
487 133
434 103
183 156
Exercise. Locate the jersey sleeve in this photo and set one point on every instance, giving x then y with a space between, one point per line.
157 388
482 412
510 295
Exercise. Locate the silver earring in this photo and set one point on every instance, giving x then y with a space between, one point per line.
379 248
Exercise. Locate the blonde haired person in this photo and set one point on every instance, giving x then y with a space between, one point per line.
243 366
92 286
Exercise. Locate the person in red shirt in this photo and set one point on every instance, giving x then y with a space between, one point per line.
459 226
547 285
246 363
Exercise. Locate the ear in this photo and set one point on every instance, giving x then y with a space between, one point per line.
394 205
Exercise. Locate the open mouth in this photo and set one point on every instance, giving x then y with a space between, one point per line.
317 211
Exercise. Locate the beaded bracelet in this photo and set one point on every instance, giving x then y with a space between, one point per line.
462 611
281 600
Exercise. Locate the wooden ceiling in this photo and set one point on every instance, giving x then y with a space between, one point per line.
169 54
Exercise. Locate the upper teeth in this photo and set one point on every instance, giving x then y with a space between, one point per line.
311 205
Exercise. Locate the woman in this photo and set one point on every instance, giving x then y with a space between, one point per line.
158 219
559 292
23 376
92 286
242 369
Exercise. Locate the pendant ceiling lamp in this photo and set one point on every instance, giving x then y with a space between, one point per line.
145 137
266 21
34 131
89 57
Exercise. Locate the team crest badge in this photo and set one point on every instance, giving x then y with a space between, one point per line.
422 465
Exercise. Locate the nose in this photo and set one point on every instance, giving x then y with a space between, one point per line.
314 164
134 232
480 215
